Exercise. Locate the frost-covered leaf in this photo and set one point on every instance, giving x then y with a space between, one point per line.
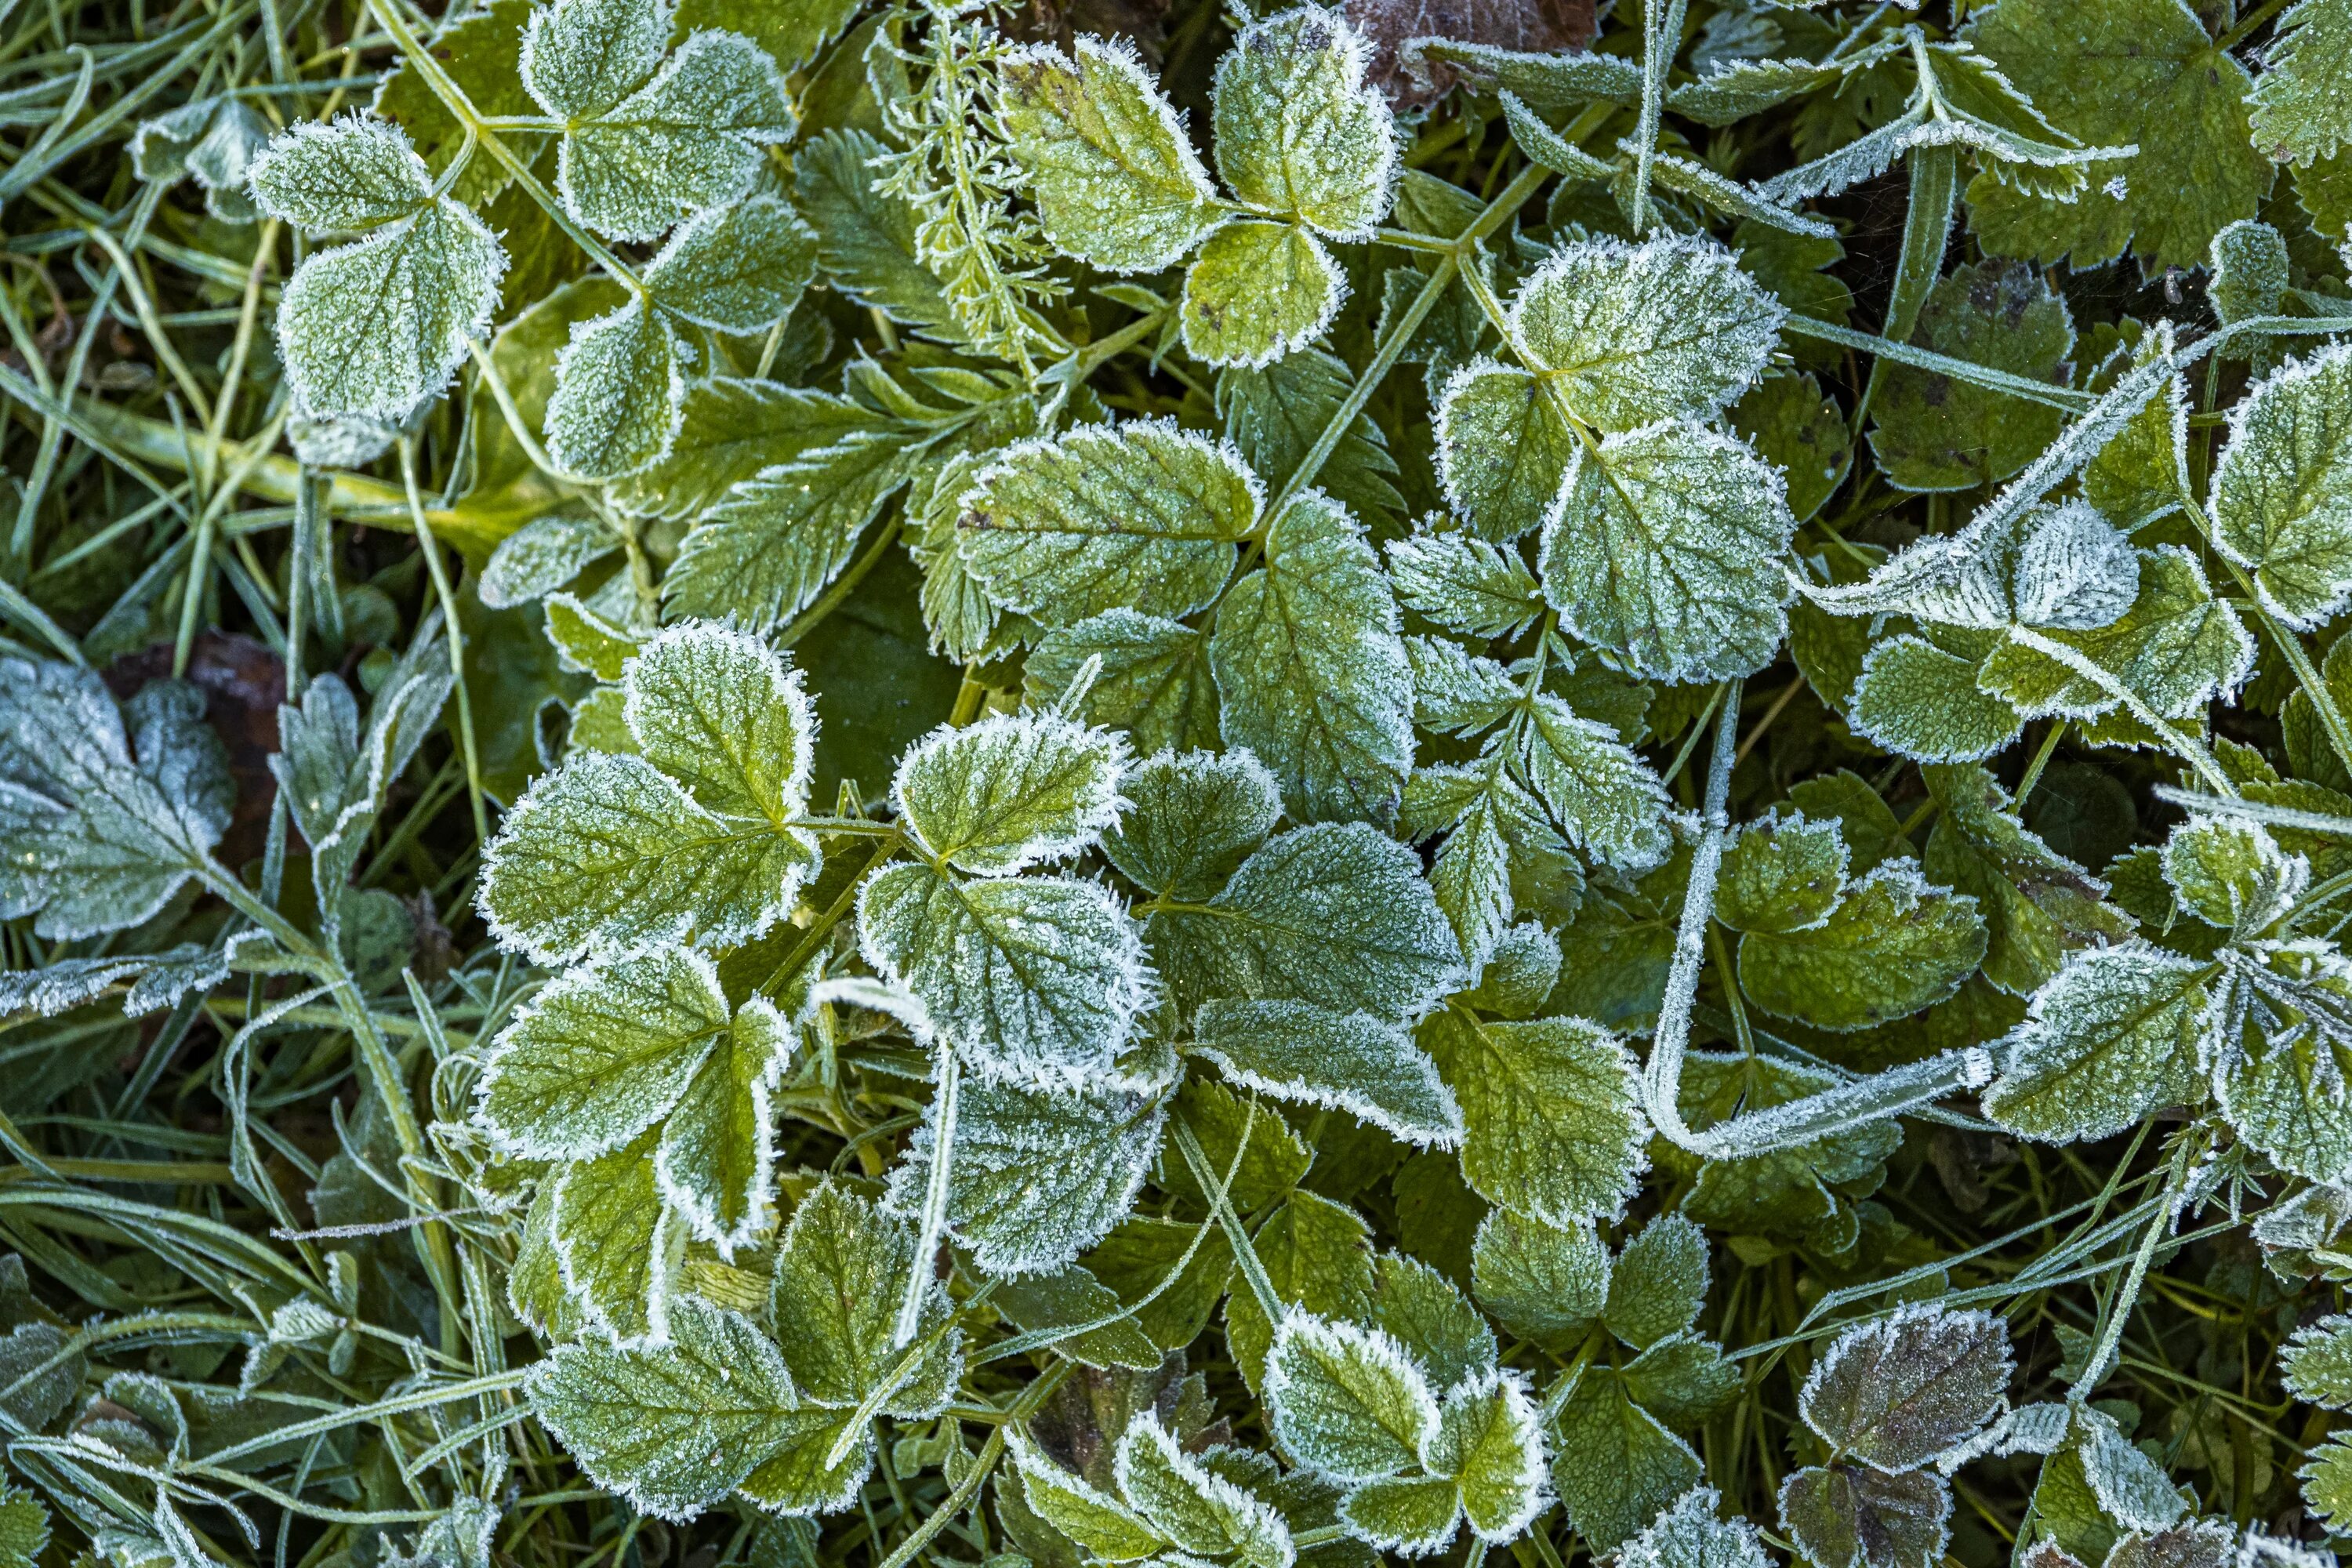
1311 669
2282 1087
1258 291
1299 133
1900 1391
1692 1534
1354 1062
1192 819
2123 73
1425 1312
1599 789
541 556
2303 99
606 857
1666 546
1025 975
1116 182
1466 586
2251 272
1097 1521
1010 790
154 981
1139 516
1782 874
2232 875
105 812
1333 914
1924 701
737 269
1670 329
1347 1400
1153 681
1551 1127
599 1055
720 713
1502 443
1856 1517
1413 1516
2316 1364
2282 499
1895 944
766 550
648 141
619 390
840 1272
617 1241
213 139
1276 412
2111 1039
1544 1283
673 1427
1615 1465
866 235
1659 1282
1932 432
1201 1511
374 327
1039 1174
1490 1443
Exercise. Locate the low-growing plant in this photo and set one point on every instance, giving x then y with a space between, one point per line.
802 783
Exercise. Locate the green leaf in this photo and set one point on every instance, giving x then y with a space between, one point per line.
1544 1283
1613 1464
618 391
2232 875
1908 1389
1039 1174
1258 291
1275 413
2177 647
2282 498
1611 802
608 857
731 430
1551 1126
1467 585
2112 1038
2328 1480
686 137
673 1428
1690 1534
766 550
617 1241
1312 672
1334 914
1025 975
587 644
101 823
2119 73
1425 1312
599 1055
1011 791
2316 1364
481 54
1101 1523
24 1527
866 236
2283 1094
1782 874
1919 701
840 1271
718 712
1854 1517
1683 1380
1932 432
2303 99
1896 944
716 1162
1299 133
1659 1282
541 556
1490 1442
374 328
1116 182
1140 516
1666 546
1191 820
1200 1511
1410 1515
739 269
1630 335
1350 1062
2037 904
1347 1400
1153 681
